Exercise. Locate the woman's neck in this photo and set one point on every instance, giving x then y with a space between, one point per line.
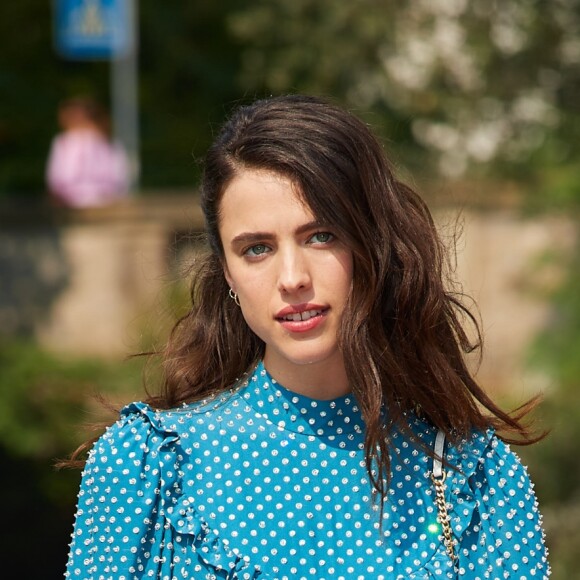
323 380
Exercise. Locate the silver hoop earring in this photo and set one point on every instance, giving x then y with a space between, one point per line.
234 296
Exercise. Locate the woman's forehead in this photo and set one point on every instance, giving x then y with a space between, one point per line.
251 185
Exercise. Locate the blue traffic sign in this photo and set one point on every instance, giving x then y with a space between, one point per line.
93 29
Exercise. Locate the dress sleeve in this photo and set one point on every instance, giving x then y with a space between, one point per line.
505 538
117 531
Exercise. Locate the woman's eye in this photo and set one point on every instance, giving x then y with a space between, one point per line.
256 250
322 237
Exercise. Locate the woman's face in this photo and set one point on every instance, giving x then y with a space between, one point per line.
292 274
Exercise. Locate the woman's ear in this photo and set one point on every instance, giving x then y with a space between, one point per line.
228 277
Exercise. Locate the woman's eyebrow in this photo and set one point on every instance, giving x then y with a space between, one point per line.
312 225
249 237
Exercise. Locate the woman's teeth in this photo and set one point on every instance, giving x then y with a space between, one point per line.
296 316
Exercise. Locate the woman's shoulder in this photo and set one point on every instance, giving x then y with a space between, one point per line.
132 440
479 456
148 443
465 450
491 503
142 424
486 452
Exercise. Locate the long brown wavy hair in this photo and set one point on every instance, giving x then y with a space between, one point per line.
404 332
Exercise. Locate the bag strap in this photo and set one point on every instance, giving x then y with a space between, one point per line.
439 450
438 476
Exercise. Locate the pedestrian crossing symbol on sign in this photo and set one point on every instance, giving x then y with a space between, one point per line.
92 29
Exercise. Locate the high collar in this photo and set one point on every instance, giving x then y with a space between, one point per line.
298 413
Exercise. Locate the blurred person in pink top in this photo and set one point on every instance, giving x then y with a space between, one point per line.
85 168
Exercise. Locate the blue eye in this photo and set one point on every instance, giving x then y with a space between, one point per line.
322 238
256 250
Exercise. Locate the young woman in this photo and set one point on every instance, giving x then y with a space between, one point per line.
318 419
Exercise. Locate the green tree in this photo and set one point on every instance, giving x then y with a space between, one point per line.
482 84
188 80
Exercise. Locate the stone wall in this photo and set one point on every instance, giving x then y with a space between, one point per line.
509 265
95 282
86 282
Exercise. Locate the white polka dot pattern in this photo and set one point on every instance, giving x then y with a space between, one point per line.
264 483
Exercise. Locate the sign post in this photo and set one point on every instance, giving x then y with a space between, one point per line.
92 29
106 30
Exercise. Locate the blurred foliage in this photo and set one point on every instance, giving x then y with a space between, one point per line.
485 86
46 410
553 462
42 395
554 353
188 63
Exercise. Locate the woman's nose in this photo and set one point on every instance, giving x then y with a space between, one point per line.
294 273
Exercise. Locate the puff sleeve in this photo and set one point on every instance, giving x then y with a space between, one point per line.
133 520
117 524
505 537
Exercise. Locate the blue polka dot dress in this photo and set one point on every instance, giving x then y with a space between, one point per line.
261 482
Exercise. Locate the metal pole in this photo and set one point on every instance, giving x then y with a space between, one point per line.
124 98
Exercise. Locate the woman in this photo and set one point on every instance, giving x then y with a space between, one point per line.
318 419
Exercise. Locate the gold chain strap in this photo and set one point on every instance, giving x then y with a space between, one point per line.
443 515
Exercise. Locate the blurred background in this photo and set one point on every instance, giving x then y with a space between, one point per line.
478 103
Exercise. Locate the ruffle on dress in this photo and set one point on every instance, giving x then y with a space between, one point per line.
462 503
190 528
495 513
